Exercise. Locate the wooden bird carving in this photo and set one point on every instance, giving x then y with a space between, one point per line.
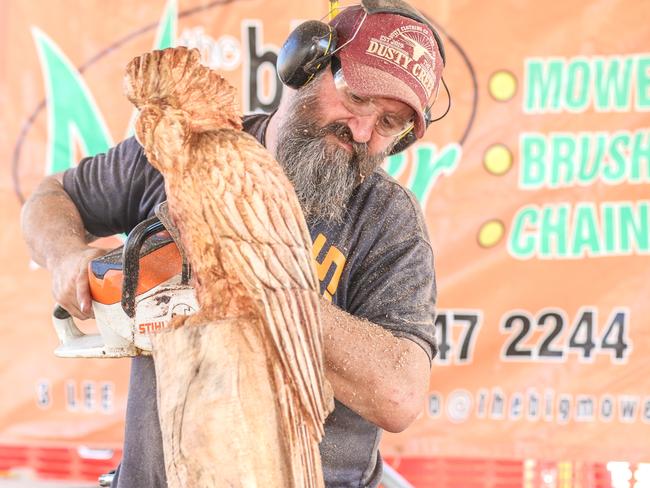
250 250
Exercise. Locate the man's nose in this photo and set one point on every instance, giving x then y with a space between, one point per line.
362 126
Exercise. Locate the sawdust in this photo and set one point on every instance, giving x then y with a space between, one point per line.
353 355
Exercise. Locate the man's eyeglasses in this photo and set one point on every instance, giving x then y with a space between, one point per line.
388 124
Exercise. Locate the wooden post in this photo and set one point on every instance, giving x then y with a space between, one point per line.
216 406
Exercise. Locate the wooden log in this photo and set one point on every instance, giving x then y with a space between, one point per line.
217 409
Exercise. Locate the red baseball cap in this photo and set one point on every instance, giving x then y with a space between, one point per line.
391 56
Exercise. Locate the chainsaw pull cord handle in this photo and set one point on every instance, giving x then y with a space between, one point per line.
66 329
60 312
131 260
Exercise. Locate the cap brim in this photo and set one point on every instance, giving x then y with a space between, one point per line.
367 81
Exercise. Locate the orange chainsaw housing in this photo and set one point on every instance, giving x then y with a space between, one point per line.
160 260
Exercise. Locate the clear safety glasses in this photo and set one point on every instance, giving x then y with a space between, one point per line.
388 124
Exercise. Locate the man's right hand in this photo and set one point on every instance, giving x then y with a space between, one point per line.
70 285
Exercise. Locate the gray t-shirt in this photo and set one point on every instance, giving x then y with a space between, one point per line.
377 264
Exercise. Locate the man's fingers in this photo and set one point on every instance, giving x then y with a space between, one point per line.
73 310
83 294
65 295
70 287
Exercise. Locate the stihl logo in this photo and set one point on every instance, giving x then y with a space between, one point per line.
152 327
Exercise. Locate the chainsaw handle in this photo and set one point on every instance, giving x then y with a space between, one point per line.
131 260
162 212
61 313
74 343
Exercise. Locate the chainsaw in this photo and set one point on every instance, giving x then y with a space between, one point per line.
136 290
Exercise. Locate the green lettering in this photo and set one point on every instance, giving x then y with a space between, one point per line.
73 115
614 172
643 83
592 151
522 241
532 157
564 148
640 153
429 165
635 229
553 234
585 231
608 227
577 86
165 36
395 164
612 84
542 85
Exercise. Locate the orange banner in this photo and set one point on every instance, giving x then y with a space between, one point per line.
535 190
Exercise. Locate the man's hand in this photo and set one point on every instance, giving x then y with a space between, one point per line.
58 241
70 286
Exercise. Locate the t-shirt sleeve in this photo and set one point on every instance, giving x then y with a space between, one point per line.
116 190
394 286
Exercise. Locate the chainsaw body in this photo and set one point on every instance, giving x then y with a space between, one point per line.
136 289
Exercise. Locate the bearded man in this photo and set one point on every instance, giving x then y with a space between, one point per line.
370 241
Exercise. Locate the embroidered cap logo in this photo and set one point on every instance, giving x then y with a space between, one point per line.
408 47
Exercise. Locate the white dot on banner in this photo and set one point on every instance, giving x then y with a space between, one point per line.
459 405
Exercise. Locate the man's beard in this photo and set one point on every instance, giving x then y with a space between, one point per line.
324 174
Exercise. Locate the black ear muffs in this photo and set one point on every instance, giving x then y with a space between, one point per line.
306 51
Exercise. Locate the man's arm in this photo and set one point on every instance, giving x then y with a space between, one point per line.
101 196
381 377
57 240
